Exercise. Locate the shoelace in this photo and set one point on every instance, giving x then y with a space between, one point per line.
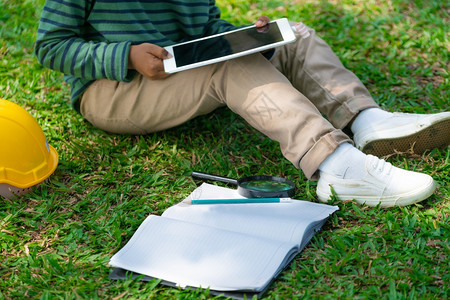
380 165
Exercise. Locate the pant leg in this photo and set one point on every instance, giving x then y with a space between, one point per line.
253 88
143 106
250 86
314 69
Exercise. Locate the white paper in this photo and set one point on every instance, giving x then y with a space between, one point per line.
194 255
284 221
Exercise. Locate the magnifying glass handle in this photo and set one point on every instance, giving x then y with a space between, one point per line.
205 176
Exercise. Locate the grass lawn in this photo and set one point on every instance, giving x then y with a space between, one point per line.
56 241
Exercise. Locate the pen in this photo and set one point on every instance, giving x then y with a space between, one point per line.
236 200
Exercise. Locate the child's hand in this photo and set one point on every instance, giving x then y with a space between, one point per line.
147 59
261 23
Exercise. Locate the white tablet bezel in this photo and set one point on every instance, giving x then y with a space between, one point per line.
283 24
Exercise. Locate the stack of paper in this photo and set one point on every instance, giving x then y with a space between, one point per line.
233 249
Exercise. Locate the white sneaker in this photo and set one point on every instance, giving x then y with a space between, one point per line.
402 132
383 183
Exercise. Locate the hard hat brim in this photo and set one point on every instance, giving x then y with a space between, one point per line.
52 163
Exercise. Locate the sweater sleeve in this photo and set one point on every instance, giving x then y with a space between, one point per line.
215 23
63 44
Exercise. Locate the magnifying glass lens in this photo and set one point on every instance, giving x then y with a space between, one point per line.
266 185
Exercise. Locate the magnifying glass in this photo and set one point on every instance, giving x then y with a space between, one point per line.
259 186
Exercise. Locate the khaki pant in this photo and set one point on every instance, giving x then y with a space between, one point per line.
284 98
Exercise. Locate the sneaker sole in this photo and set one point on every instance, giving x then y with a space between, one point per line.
434 136
398 200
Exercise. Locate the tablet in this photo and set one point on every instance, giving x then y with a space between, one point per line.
228 45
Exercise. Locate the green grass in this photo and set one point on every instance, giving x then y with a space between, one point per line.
56 241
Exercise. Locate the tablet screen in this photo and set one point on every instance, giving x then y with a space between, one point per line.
232 43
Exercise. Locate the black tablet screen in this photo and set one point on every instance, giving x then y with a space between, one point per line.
228 44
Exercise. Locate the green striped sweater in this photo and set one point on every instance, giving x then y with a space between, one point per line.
90 39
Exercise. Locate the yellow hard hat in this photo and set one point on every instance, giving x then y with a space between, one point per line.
26 158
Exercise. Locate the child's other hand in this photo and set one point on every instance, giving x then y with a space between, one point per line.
147 59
